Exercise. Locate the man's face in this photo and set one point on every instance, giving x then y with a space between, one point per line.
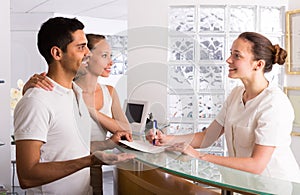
75 52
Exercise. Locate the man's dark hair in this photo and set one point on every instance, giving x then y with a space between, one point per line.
56 32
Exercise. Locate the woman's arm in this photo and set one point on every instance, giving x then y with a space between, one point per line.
255 164
210 134
197 140
118 120
38 81
117 111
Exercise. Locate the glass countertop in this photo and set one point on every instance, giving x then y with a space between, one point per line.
215 175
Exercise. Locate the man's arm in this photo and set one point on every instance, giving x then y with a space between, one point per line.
33 173
112 142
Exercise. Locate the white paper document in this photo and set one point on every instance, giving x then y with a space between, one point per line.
143 146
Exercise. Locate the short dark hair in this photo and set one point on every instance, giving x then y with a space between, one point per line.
56 32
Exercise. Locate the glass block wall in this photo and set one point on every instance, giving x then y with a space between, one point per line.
199 42
118 46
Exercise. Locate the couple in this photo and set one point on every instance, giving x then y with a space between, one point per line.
54 147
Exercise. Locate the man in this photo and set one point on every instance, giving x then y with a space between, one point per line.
52 128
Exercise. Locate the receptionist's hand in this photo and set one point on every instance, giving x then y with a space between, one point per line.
38 81
158 139
184 148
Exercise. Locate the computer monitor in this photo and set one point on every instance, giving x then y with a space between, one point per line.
136 112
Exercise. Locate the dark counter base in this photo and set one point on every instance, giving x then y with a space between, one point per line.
155 181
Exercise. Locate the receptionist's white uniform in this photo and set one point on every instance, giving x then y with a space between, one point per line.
60 119
98 132
266 120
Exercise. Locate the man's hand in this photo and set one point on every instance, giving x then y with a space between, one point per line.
121 135
112 159
112 142
38 81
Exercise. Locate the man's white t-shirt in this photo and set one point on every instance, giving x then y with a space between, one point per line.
266 120
60 119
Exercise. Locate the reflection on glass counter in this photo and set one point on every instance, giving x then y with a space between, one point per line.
214 175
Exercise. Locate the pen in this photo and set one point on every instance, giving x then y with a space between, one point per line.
154 131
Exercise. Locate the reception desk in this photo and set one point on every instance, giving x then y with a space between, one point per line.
173 173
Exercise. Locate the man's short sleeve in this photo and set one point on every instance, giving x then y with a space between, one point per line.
31 120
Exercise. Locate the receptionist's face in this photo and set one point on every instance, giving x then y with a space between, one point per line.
241 63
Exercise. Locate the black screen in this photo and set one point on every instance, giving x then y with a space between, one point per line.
134 112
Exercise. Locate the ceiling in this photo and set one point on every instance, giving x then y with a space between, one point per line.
107 9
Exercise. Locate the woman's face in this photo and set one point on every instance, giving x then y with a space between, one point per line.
100 62
241 63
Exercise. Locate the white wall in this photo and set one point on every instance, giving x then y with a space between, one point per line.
294 4
25 57
294 80
4 93
147 54
101 26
